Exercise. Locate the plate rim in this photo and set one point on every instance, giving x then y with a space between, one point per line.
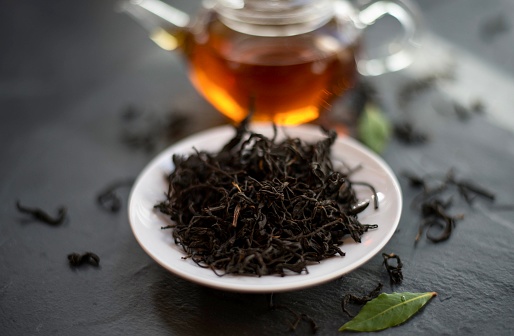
262 288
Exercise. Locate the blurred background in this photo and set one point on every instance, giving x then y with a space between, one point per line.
72 51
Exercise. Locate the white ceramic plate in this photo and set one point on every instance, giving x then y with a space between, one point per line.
150 188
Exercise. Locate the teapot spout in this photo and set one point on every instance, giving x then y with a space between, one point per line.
163 22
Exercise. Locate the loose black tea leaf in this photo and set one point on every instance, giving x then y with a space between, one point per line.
77 259
361 300
262 206
435 215
147 131
360 206
477 106
357 99
462 111
466 187
408 134
43 216
493 27
108 199
363 94
175 126
415 181
394 271
346 115
298 316
412 88
131 113
447 223
434 210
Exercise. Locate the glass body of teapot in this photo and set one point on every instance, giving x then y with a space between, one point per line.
283 72
283 60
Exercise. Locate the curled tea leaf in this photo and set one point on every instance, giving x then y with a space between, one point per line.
387 310
42 215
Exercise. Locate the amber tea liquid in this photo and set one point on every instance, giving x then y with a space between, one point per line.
288 80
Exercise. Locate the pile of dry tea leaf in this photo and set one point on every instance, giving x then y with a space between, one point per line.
262 206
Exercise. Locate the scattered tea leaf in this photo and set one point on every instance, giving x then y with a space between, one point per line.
361 300
77 259
298 316
42 215
407 133
374 130
422 84
435 202
108 199
148 131
388 310
493 27
394 271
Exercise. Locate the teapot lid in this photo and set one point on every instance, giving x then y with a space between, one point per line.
274 17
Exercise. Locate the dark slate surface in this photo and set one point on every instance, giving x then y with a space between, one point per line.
68 71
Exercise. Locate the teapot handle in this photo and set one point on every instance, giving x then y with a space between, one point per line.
158 18
410 21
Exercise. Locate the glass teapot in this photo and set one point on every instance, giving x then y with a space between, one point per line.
284 60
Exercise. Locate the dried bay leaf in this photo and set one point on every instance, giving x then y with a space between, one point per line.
387 310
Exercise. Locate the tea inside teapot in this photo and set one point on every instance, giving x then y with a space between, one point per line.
284 60
282 77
